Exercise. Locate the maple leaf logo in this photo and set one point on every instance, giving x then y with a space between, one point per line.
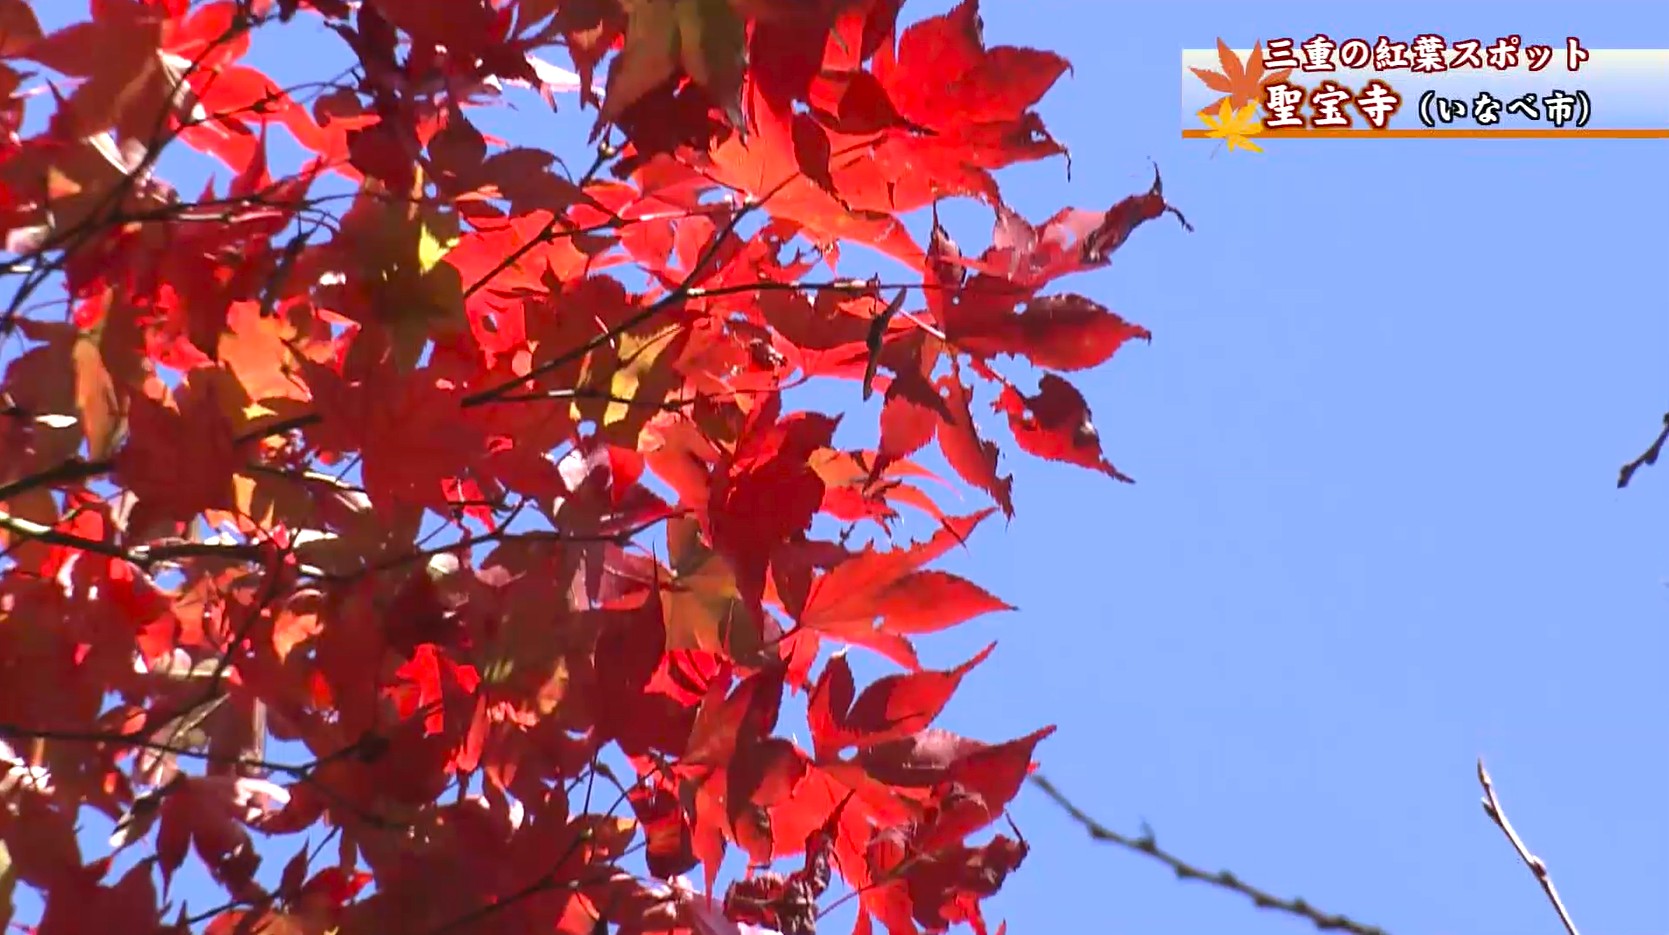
1240 84
1235 127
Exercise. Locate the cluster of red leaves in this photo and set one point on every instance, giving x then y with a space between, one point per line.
237 417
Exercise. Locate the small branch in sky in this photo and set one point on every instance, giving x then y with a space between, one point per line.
1492 808
1222 879
1649 456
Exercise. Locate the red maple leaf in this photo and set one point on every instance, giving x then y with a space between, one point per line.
1055 424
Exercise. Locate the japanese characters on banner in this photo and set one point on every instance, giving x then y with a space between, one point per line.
1426 85
1427 54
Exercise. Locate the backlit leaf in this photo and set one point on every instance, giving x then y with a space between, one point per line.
469 476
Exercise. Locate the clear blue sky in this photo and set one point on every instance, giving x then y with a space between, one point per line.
1375 533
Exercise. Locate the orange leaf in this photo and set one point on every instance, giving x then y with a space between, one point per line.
1241 84
95 397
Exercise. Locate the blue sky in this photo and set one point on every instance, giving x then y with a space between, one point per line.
1375 533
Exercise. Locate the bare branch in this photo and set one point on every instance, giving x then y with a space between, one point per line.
1222 879
64 472
1649 456
1492 808
144 556
500 535
129 741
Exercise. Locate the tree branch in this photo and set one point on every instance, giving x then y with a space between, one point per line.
64 472
684 290
500 535
546 881
1222 879
72 240
1649 456
497 392
117 739
143 556
1492 808
547 234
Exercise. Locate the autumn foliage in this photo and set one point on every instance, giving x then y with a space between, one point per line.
426 519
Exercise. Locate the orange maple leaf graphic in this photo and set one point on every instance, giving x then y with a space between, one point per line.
1241 85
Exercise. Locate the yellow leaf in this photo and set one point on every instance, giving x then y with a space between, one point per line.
59 186
648 57
8 880
607 836
102 418
527 661
432 248
555 688
626 379
262 498
701 604
706 37
711 42
401 252
1235 127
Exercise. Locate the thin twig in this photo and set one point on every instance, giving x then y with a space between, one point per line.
129 741
67 471
546 881
1492 808
500 535
1222 879
547 234
73 240
142 556
211 694
1649 456
685 289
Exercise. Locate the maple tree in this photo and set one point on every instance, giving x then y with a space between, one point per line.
473 478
